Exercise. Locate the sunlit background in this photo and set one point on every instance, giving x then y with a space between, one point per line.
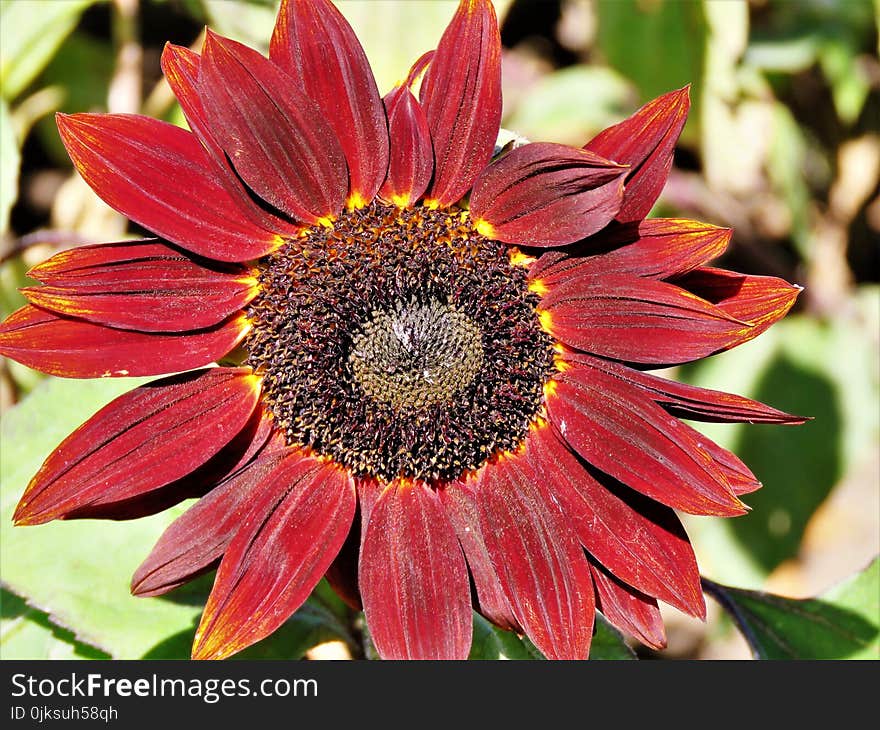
782 144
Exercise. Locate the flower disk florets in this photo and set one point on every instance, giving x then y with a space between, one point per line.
401 343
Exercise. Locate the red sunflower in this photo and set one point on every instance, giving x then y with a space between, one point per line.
415 396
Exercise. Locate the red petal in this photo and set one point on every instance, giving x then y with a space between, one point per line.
141 441
418 69
251 439
160 176
140 285
299 517
638 320
314 43
460 504
279 144
538 561
735 472
615 428
544 194
759 300
72 348
689 401
412 157
657 248
630 611
181 68
646 142
196 540
369 490
648 550
413 578
461 94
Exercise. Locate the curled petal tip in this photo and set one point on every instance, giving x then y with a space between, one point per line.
140 587
19 520
680 97
21 517
25 517
204 650
647 141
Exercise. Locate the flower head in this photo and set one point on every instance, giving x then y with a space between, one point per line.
432 363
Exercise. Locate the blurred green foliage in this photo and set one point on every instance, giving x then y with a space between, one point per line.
550 114
31 33
782 144
798 35
11 160
657 45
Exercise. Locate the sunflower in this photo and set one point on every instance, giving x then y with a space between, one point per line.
398 360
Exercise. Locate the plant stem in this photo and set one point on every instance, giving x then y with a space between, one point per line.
719 593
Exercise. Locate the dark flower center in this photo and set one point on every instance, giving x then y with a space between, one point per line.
417 354
400 343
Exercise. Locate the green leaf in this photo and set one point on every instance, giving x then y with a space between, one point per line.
26 633
608 642
555 109
30 33
311 625
82 68
659 45
10 161
78 572
844 623
490 642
